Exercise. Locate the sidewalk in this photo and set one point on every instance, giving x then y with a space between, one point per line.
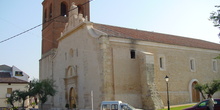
180 105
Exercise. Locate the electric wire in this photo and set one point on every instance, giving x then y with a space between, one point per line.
41 24
20 33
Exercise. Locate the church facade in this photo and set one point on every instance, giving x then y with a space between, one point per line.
93 62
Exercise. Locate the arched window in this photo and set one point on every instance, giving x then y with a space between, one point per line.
50 12
80 9
45 15
63 9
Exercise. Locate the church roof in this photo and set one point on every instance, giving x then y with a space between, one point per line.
155 37
11 80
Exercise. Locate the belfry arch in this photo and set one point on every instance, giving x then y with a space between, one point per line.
63 9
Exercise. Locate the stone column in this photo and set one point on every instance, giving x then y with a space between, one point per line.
150 96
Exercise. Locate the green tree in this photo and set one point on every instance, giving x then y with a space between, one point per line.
13 98
208 88
215 17
21 96
200 88
33 90
18 95
211 88
42 88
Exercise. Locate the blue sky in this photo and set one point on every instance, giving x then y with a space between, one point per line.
188 18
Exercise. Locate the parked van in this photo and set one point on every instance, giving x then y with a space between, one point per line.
115 105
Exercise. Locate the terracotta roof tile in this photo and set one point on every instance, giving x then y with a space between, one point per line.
11 80
155 37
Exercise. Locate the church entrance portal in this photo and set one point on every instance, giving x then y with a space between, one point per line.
72 98
195 93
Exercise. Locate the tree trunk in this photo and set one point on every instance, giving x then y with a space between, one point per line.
203 95
23 105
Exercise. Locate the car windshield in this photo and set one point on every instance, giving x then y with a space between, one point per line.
125 106
131 107
203 104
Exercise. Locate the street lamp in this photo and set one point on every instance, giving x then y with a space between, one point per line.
168 102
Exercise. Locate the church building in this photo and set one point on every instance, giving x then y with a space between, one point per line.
92 62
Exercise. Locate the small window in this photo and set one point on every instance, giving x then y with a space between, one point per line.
192 65
9 90
132 52
65 56
18 73
162 63
71 53
214 65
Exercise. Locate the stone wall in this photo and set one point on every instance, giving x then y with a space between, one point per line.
150 96
176 66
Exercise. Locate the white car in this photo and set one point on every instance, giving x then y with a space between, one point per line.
116 105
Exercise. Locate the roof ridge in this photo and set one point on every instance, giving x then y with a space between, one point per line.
12 80
143 35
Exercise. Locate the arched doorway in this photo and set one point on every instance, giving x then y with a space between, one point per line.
72 98
195 93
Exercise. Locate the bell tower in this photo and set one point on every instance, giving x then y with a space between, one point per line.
55 16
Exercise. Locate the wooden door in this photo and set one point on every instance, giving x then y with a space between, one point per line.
195 93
